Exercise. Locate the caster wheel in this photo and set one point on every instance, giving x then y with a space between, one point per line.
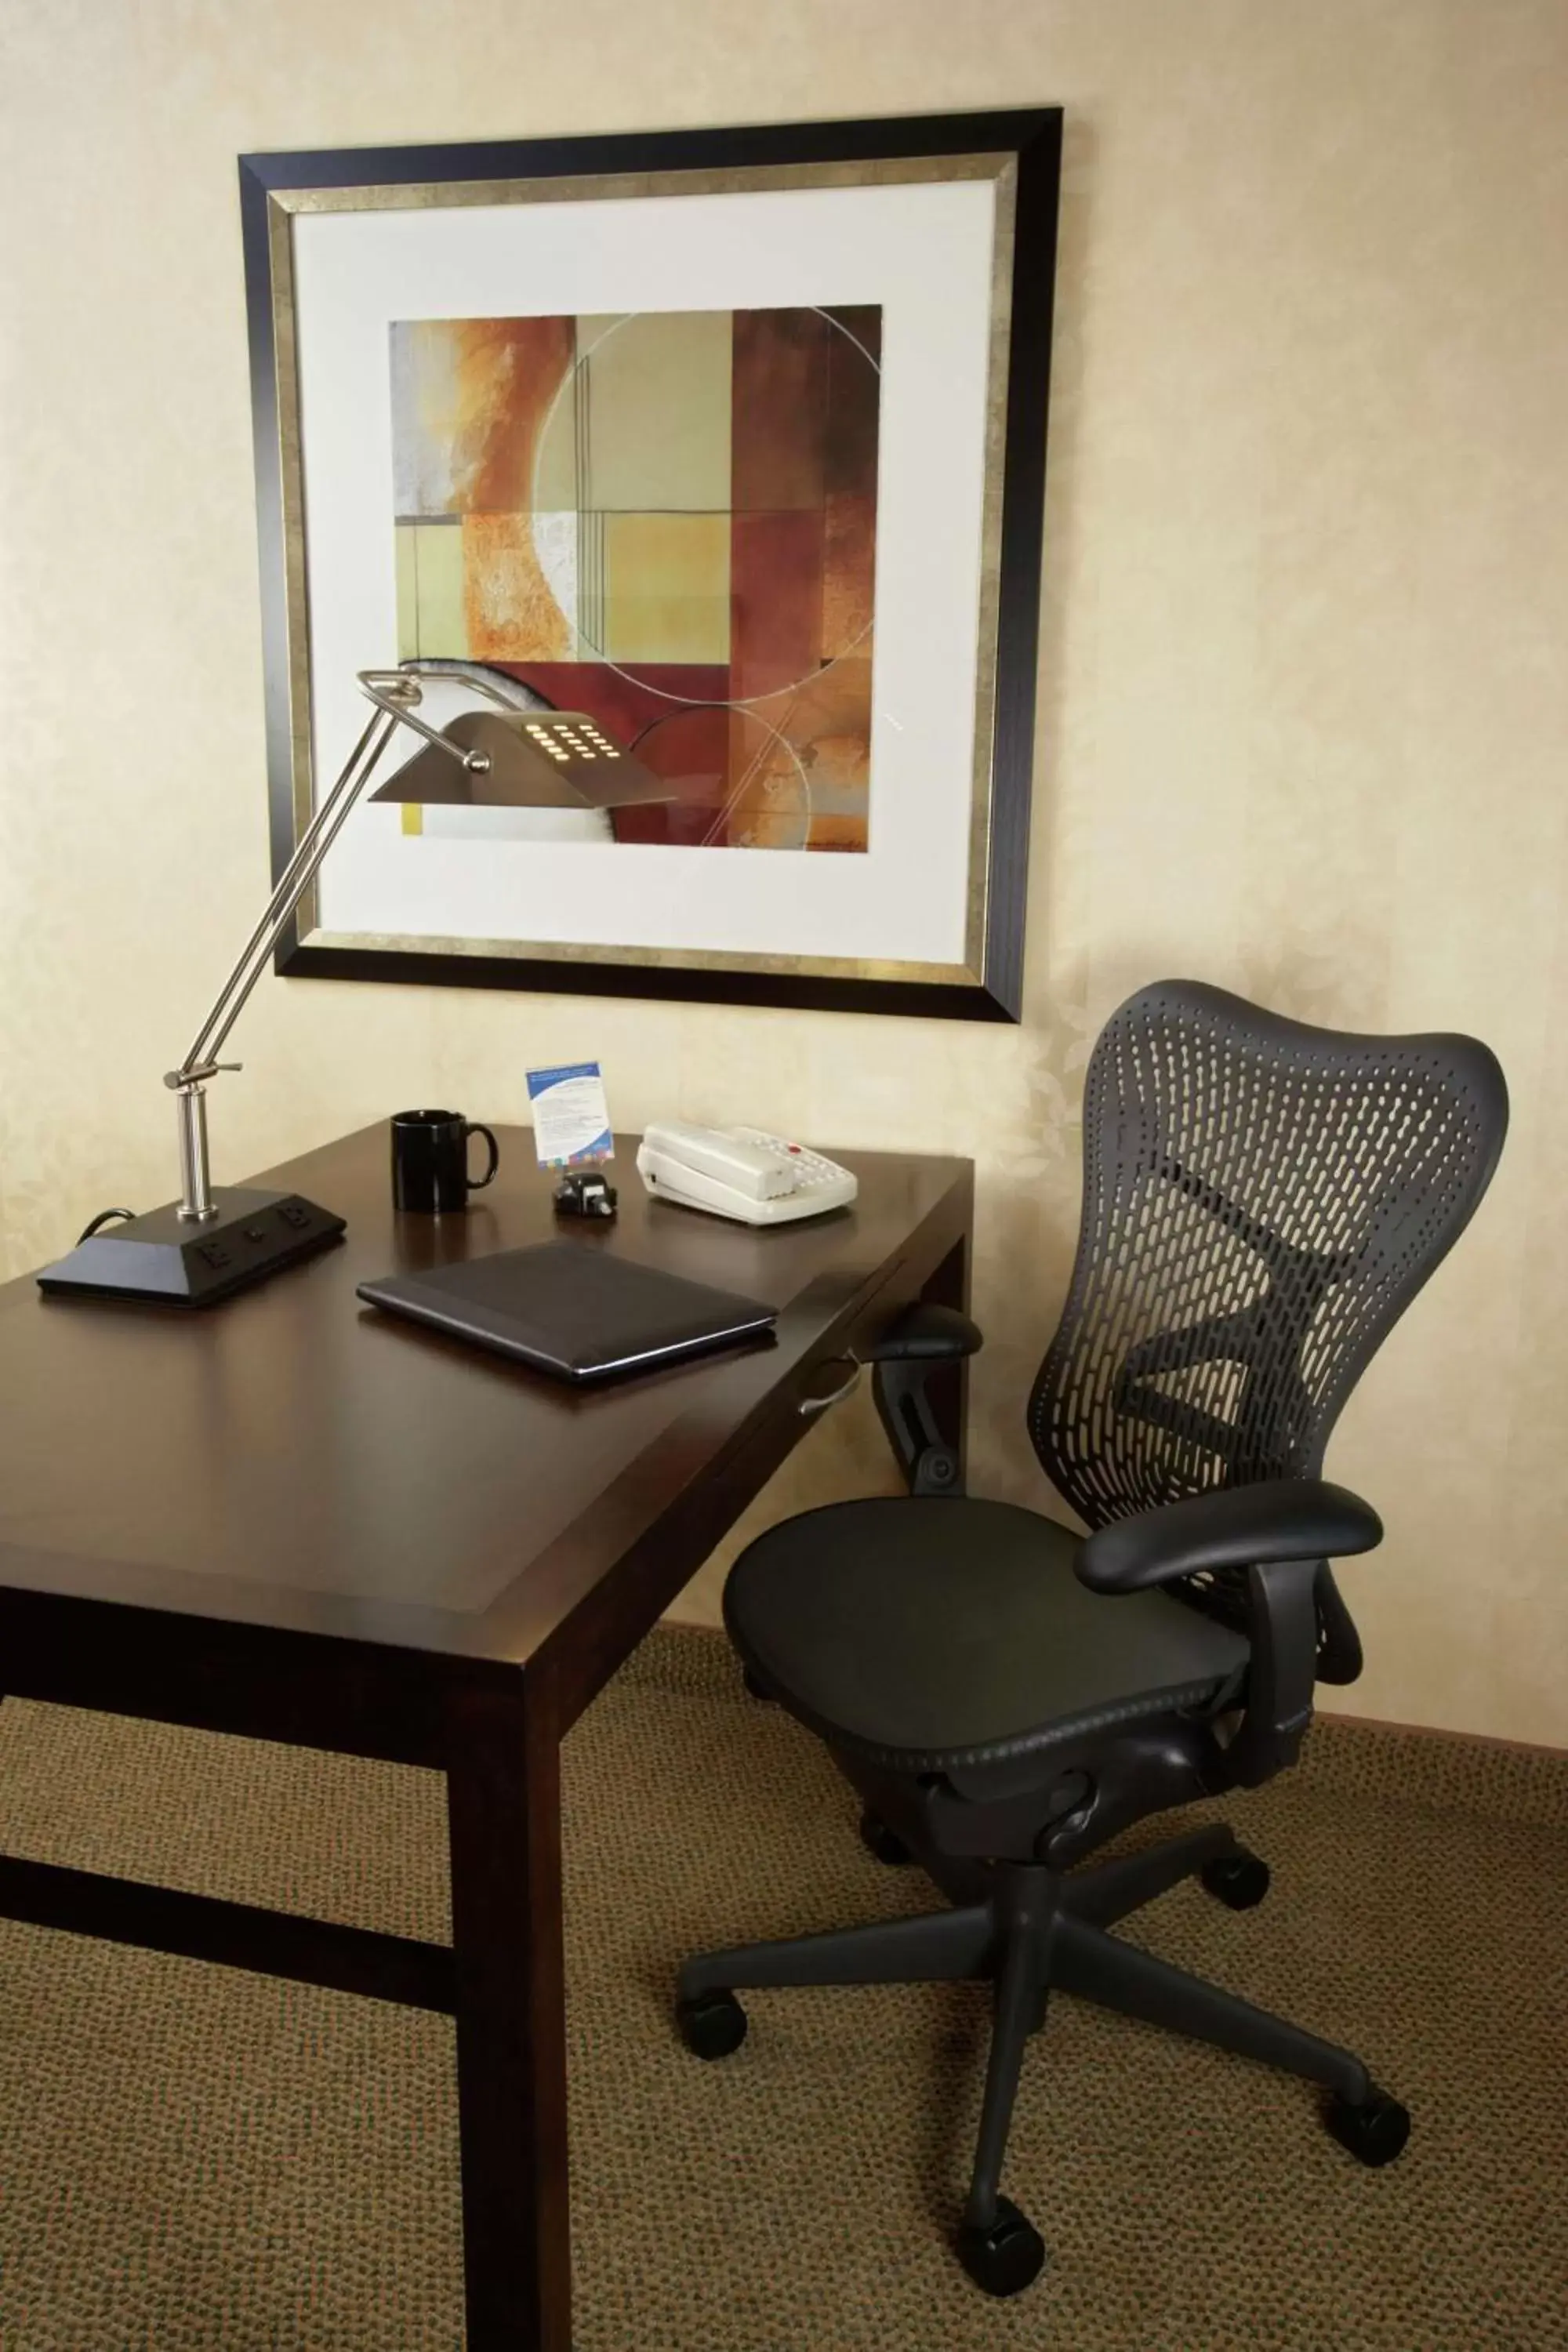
1376 2132
883 1842
713 2024
1240 1880
753 1687
1006 2258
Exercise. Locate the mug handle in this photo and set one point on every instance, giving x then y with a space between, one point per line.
477 1183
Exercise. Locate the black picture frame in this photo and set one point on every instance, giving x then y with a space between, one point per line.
992 988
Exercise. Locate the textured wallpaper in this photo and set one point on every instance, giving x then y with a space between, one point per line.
1304 686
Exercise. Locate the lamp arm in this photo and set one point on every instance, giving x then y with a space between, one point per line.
188 1082
293 883
394 693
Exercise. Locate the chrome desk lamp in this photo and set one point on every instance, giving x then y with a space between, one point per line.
217 1240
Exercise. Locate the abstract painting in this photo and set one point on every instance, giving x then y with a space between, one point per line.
666 520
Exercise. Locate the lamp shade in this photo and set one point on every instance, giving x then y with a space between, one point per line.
535 758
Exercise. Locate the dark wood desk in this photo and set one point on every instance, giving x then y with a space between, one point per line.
292 1517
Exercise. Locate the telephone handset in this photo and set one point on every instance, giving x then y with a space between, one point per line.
740 1172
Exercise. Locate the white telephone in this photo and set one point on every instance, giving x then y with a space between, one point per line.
740 1172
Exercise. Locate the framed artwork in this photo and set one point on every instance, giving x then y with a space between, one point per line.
732 442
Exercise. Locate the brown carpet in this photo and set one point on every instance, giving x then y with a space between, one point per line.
194 2160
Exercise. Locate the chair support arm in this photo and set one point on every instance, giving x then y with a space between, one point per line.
1282 1629
925 1339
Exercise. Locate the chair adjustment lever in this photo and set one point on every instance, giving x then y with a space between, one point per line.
809 1407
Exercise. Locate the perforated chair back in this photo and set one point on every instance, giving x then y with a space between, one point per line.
1262 1199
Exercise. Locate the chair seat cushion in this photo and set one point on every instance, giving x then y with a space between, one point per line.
928 1633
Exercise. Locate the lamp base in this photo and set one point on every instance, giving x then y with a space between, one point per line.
171 1259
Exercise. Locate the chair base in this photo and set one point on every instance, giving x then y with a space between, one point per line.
1038 1932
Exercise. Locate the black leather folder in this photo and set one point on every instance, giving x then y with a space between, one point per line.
572 1310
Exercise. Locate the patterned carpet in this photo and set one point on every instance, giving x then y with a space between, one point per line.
194 2160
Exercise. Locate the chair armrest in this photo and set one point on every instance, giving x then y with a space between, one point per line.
1278 1533
925 1335
1236 1526
924 1341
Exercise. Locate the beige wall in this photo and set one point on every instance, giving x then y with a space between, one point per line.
1304 703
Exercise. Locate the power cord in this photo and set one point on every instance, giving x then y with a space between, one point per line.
104 1217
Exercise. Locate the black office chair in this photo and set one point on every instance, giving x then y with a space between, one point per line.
1261 1201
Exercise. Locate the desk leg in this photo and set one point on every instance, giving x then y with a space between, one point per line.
948 1388
503 1812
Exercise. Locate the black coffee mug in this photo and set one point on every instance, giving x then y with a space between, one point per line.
430 1160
